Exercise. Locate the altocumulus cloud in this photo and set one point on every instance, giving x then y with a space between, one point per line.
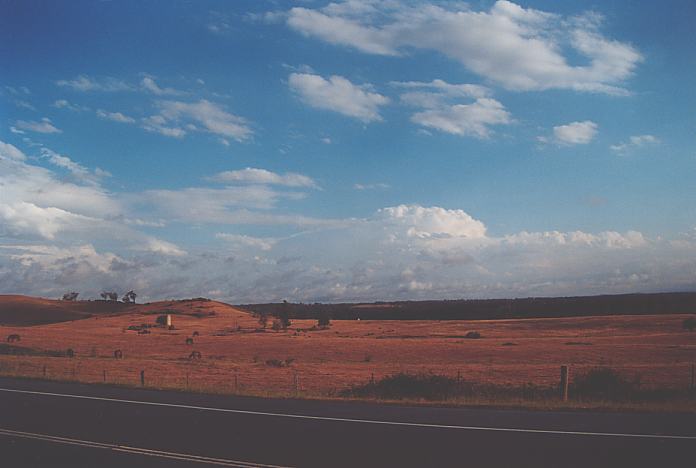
338 94
515 47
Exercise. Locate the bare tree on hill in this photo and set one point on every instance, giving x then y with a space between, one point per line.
129 297
109 296
70 296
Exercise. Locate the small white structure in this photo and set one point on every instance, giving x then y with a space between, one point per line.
169 320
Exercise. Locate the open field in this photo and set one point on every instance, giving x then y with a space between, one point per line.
238 357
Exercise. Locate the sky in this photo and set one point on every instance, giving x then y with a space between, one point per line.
308 151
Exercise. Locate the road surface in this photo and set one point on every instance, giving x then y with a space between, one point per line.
51 424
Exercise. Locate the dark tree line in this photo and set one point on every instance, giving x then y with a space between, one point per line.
463 309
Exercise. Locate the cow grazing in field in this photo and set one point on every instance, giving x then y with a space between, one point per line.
144 331
195 355
118 354
189 341
195 333
14 337
70 353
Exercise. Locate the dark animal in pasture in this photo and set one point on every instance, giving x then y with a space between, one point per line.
14 337
118 354
195 355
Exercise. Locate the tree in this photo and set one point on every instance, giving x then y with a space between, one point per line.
284 315
263 319
129 297
109 296
324 320
70 296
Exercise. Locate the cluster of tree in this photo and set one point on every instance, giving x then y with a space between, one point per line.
109 296
70 296
128 298
281 314
465 309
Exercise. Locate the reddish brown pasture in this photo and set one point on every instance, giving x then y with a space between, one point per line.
239 357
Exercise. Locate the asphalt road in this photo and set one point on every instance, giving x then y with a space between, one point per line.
49 424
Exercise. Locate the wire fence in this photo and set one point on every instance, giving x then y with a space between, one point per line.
286 378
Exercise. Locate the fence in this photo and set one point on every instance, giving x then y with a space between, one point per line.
278 378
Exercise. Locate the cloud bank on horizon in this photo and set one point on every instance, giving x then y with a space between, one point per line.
346 151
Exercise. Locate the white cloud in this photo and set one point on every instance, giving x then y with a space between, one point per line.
148 83
158 124
465 119
212 117
115 116
262 176
65 104
515 47
20 219
85 83
378 185
242 241
441 88
152 244
77 170
44 126
575 133
459 109
636 141
10 151
339 95
433 222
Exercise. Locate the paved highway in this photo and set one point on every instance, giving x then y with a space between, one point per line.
50 424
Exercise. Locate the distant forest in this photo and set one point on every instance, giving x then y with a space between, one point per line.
469 309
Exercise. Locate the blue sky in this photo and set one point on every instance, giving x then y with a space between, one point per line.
253 151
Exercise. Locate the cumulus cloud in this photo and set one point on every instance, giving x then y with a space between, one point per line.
338 94
465 119
65 104
114 116
209 116
86 83
77 170
375 186
399 252
9 151
149 84
433 222
634 142
262 176
243 241
43 126
575 133
518 48
460 109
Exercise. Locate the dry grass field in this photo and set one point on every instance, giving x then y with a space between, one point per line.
239 357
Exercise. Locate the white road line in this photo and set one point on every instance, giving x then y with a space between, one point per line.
360 421
135 450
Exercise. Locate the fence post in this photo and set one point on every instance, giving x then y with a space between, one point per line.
564 383
296 382
104 372
187 381
693 377
44 371
372 378
142 378
236 382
